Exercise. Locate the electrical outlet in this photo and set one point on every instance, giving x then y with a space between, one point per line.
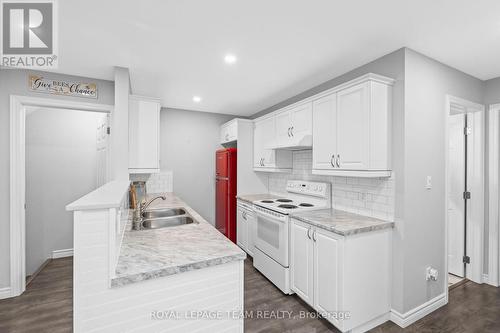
431 274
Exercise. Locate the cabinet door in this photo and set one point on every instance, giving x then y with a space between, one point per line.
241 229
224 134
353 120
301 263
324 118
258 144
326 273
301 119
251 232
268 134
232 131
144 134
283 126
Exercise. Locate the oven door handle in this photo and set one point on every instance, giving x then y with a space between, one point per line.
269 217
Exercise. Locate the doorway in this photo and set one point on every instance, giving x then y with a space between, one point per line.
464 191
19 107
65 159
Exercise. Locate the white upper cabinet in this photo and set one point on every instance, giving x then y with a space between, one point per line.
325 139
294 127
351 129
229 132
353 120
144 135
348 128
265 158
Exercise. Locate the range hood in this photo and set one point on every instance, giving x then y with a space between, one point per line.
300 142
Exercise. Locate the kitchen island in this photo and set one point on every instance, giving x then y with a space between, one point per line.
182 278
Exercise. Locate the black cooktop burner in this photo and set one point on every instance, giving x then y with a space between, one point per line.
306 205
287 206
284 200
267 201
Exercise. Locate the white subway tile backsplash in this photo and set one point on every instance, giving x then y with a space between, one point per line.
365 196
156 182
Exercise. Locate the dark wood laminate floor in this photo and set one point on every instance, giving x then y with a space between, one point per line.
471 308
46 306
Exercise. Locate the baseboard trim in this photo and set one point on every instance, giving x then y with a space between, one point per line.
5 292
408 318
62 253
371 324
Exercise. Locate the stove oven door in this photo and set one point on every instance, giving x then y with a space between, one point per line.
272 236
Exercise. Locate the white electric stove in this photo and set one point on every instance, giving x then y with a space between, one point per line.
272 240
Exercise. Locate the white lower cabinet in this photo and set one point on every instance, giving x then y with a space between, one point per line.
245 228
344 278
302 261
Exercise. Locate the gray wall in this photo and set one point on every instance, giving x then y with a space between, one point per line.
426 84
492 91
189 140
61 166
15 82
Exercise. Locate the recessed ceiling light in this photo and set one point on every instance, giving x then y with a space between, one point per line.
230 58
196 99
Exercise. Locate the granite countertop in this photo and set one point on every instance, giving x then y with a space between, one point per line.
149 254
341 222
255 197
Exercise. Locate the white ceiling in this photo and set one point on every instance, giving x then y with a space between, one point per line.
175 49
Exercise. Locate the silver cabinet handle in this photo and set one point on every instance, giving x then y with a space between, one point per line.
244 215
314 235
291 131
331 161
338 161
288 131
309 233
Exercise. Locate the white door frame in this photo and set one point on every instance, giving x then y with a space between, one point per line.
493 195
18 106
475 247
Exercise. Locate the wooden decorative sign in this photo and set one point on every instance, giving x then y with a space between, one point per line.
62 87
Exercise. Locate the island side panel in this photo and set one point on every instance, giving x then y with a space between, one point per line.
154 305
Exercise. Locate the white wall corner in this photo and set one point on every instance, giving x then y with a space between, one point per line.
406 319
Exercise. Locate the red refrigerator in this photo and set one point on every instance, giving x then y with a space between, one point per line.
225 192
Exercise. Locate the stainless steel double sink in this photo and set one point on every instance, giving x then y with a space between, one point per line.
164 218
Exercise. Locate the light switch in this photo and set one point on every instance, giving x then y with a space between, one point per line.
428 182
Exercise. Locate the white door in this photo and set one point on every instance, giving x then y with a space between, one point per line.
456 181
301 261
102 150
326 273
301 119
324 118
241 229
353 120
251 230
283 126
